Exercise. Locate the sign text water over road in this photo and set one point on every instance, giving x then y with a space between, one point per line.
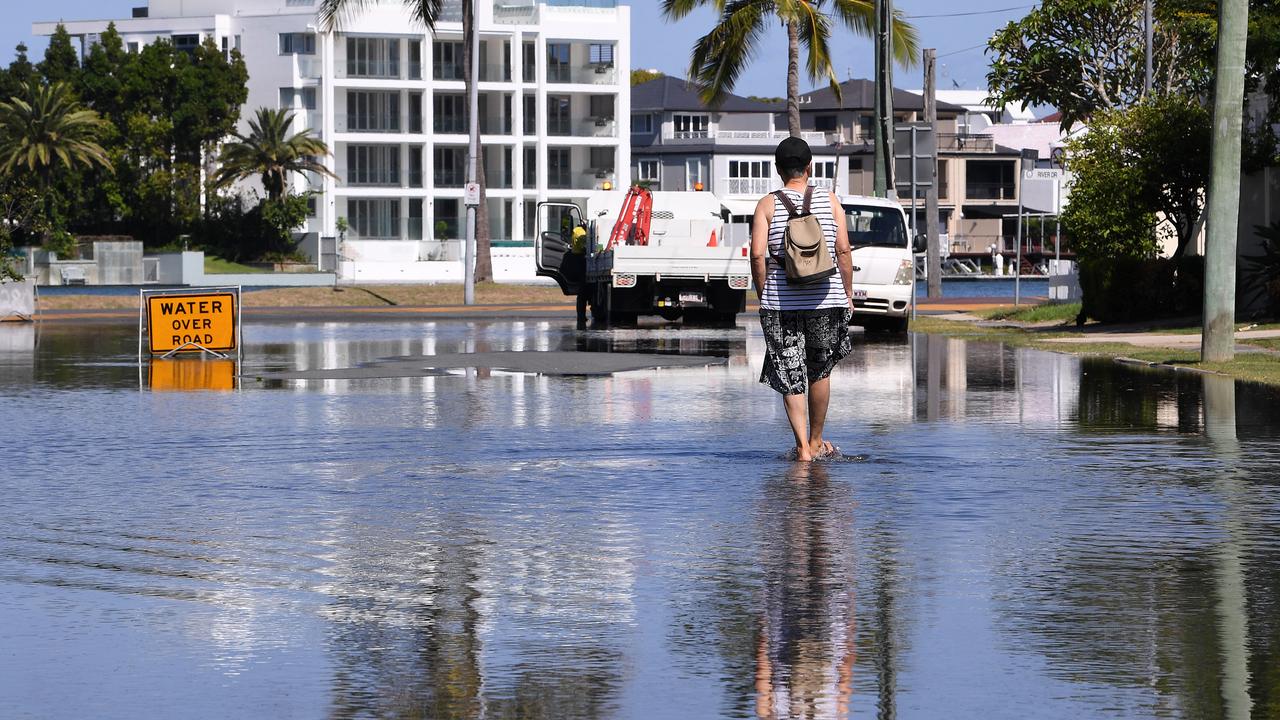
207 319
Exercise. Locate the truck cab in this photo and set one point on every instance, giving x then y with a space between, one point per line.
884 276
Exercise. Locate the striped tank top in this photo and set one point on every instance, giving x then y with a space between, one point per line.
777 294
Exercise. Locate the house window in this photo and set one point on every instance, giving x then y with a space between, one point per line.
446 59
530 115
373 165
866 126
942 179
559 169
989 180
695 173
558 63
750 177
415 59
373 57
134 48
531 167
373 111
649 171
294 43
642 124
186 43
374 218
602 160
451 163
530 69
602 107
558 121
692 126
824 174
601 54
450 114
825 123
293 97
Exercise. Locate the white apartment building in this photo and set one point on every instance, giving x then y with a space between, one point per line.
388 98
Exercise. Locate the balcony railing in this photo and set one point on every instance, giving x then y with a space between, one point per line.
308 66
748 186
450 125
990 191
368 123
598 127
742 137
371 69
440 250
965 142
450 178
589 75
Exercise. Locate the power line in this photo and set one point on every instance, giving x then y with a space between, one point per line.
962 50
966 14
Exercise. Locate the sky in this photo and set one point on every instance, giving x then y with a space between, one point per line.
656 43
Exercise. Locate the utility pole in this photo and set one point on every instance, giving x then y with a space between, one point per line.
878 175
933 256
473 152
1149 32
1218 344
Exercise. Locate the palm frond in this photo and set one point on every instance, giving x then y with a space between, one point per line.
680 9
720 56
334 14
860 17
815 33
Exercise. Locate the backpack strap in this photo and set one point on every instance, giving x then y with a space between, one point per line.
791 206
808 200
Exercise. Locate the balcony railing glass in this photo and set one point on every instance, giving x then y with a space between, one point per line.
748 186
590 75
990 191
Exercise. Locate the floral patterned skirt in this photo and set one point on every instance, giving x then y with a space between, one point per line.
802 346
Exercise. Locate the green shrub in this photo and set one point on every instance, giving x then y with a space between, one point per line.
1129 289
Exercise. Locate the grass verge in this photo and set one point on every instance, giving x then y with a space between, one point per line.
1262 367
1063 313
218 266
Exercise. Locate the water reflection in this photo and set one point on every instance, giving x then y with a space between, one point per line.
1032 534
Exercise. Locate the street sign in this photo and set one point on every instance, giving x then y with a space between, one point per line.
192 322
1043 174
913 144
471 194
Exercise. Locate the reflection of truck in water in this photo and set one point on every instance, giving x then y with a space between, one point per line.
884 277
659 253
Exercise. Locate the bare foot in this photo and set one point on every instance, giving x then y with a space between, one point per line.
800 454
821 449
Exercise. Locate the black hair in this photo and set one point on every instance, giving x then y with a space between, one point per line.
792 172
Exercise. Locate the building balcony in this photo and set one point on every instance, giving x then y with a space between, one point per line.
370 70
368 124
990 191
963 142
764 138
308 67
589 75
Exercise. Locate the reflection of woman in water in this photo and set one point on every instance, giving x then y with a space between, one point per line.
805 643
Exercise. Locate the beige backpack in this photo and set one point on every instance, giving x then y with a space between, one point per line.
805 255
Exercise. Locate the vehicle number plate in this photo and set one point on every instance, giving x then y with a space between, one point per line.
859 294
691 297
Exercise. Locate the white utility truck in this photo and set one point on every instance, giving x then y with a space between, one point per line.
645 253
884 268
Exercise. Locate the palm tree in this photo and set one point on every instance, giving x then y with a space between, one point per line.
720 56
427 12
270 151
49 130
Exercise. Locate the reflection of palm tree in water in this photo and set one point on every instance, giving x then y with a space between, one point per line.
805 644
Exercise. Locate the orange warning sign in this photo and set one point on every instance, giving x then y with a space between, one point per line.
191 322
187 374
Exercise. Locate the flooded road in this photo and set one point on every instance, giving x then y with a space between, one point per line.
1028 534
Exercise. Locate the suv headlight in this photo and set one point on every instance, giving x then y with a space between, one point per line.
906 273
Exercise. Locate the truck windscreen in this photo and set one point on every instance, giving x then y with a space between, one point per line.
871 226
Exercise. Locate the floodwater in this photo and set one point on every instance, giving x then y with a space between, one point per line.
1028 535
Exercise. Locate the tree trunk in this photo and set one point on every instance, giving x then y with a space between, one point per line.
484 261
793 79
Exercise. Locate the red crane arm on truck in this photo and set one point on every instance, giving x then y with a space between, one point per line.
632 227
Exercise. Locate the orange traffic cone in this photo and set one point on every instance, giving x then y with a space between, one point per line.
713 239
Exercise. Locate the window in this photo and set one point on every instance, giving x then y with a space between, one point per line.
294 43
866 126
649 171
750 177
415 112
374 218
294 97
373 165
530 115
602 107
451 164
695 173
825 123
311 206
558 122
531 167
692 126
989 180
559 172
186 43
942 180
530 69
415 59
601 54
134 48
642 124
373 57
824 174
373 111
602 160
446 56
450 114
415 167
558 63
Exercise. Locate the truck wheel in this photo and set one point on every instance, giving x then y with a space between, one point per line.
670 314
897 326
